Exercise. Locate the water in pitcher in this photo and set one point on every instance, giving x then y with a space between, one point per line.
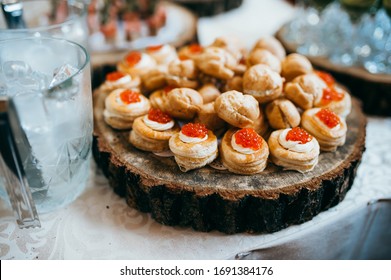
58 125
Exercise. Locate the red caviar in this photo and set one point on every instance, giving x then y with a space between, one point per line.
326 77
195 48
129 96
298 134
159 116
133 58
154 48
167 89
328 117
183 57
248 138
194 130
331 94
113 76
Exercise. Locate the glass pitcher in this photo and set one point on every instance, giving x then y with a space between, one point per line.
45 124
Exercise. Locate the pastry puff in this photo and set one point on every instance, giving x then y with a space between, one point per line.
233 46
194 155
163 54
295 65
239 162
182 73
342 106
282 113
263 83
191 51
136 63
305 91
148 138
329 136
154 79
158 98
208 116
183 103
237 109
263 56
217 62
293 155
118 79
209 93
120 115
272 45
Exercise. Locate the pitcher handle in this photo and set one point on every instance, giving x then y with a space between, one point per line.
16 182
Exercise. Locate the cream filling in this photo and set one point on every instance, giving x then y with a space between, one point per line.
158 126
187 139
120 82
145 61
109 114
239 148
294 146
164 55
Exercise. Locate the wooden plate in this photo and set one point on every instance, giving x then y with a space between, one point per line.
207 199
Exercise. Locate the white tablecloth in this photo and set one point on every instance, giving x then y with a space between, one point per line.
99 224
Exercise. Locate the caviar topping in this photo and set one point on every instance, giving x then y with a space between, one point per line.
133 58
195 48
328 117
196 130
298 134
331 94
248 138
129 96
114 76
159 116
154 48
326 77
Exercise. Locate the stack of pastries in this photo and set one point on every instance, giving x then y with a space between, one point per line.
222 105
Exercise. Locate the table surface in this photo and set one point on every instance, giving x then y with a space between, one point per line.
99 224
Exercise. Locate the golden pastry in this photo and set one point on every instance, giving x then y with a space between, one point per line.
191 51
337 100
183 103
151 132
263 56
235 83
262 83
282 113
217 63
334 97
294 149
305 91
326 126
208 116
136 63
163 54
193 147
123 106
209 93
237 109
261 125
154 79
231 45
244 151
272 45
182 73
158 98
118 79
295 65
